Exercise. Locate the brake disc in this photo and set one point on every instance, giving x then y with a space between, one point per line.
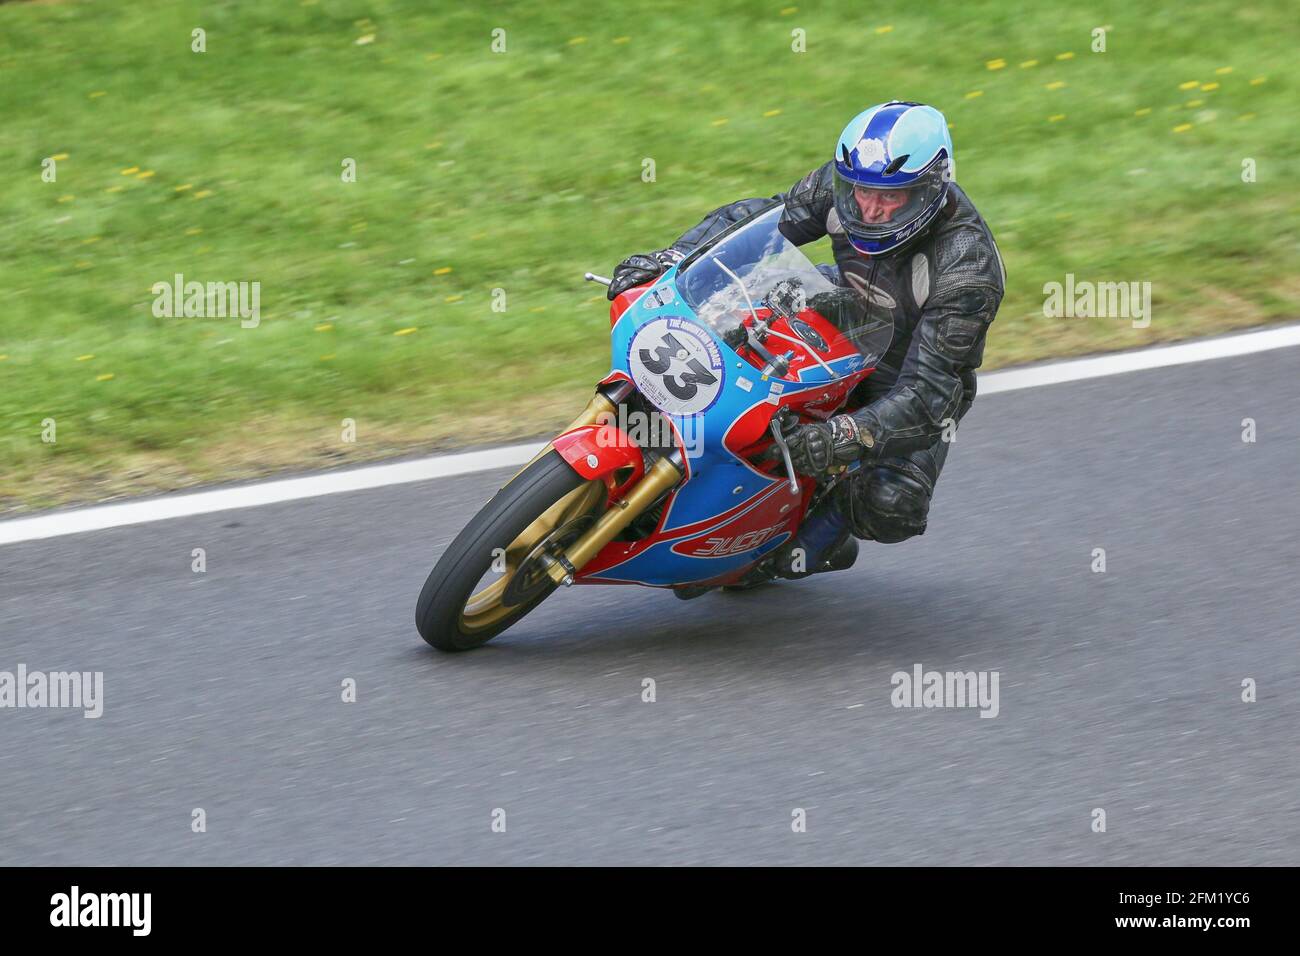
530 578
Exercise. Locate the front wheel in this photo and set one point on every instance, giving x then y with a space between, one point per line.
494 572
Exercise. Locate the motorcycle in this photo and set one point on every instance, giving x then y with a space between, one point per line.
677 474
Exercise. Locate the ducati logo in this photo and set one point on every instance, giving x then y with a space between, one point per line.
722 546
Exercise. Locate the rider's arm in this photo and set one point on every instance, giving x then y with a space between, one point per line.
807 204
936 382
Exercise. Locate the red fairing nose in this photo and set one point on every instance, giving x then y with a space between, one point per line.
625 299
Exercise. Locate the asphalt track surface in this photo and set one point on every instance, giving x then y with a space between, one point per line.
1118 690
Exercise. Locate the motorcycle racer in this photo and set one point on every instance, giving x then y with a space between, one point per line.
907 238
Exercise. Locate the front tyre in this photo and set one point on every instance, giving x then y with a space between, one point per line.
493 573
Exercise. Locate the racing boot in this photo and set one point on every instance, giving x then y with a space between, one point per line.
824 543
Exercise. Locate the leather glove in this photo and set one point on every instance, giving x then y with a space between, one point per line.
641 268
816 448
843 308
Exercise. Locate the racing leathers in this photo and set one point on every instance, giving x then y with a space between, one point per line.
941 290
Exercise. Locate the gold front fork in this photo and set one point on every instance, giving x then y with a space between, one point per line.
662 475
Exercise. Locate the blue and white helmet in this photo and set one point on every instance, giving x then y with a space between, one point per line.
891 148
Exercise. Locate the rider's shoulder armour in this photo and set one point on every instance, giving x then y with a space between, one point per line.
964 252
810 207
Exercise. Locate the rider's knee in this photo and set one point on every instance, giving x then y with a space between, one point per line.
895 505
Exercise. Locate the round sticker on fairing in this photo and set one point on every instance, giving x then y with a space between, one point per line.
676 365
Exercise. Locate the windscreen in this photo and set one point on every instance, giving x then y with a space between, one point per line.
754 266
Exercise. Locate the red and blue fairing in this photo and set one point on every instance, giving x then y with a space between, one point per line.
717 346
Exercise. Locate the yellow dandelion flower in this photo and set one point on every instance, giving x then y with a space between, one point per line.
772 113
59 157
887 29
1144 111
1206 87
404 331
1056 118
719 122
1065 56
997 64
85 358
1223 70
436 145
1182 127
364 40
3 357
90 239
1189 85
787 11
1026 64
104 378
66 198
576 40
203 194
184 186
1055 85
452 298
538 308
324 327
130 170
114 189
327 358
974 93
442 270
147 174
1258 80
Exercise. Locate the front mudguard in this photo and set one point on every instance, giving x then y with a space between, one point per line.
604 453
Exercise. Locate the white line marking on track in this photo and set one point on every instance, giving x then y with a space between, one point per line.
99 517
184 505
1159 356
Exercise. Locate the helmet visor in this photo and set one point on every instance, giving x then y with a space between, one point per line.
874 212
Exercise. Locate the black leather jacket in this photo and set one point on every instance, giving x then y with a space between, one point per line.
942 290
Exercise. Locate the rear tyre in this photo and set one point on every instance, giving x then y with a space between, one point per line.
541 510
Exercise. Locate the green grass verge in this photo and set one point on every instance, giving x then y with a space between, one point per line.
516 171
